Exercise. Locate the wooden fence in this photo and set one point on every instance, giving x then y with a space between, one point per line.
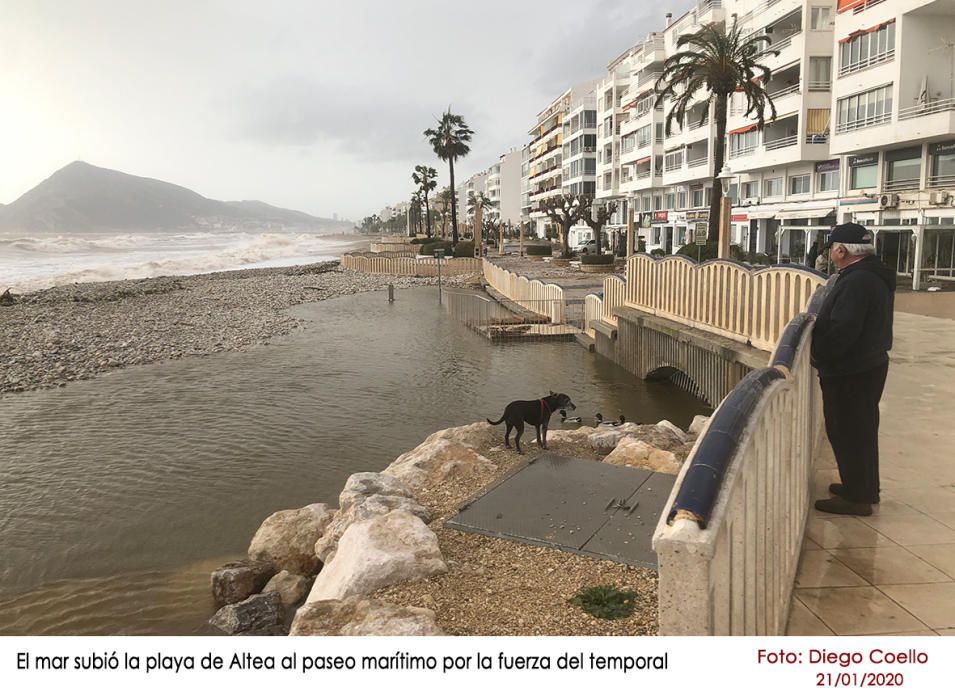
410 267
534 295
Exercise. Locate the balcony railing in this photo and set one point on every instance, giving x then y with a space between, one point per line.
817 138
696 162
865 6
820 85
928 108
853 124
642 174
744 151
705 5
785 142
864 63
784 42
941 180
648 77
673 164
911 183
790 90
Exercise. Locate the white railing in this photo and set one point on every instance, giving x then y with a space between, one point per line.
728 541
648 77
864 63
782 92
901 184
817 138
671 164
784 142
410 267
593 310
853 124
720 296
391 247
865 6
534 295
696 162
939 180
820 85
744 151
932 107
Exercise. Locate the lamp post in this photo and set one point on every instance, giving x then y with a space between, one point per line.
723 247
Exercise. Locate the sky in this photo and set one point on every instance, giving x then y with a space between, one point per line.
318 106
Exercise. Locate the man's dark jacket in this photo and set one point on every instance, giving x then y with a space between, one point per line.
853 331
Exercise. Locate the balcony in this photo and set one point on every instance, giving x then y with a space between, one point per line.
817 138
648 78
863 122
864 63
783 92
743 151
901 185
697 162
933 107
820 85
784 142
941 181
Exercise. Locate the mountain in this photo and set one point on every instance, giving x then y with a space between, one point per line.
82 198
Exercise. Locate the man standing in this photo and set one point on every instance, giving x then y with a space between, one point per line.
850 344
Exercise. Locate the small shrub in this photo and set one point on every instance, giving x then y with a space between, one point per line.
427 241
537 250
605 602
641 246
464 249
429 248
658 252
605 259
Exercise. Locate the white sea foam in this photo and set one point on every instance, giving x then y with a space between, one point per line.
34 262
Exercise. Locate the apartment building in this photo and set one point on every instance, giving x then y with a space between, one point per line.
504 186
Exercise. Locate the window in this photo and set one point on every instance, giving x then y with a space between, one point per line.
942 173
828 181
773 187
903 168
863 171
674 160
696 197
681 200
590 166
744 143
643 135
820 72
590 119
657 202
820 17
751 190
864 109
867 48
734 193
670 200
799 184
659 133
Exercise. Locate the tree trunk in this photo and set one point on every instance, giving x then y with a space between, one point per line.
427 213
596 230
565 232
719 156
454 203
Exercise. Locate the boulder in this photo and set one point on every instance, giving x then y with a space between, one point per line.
472 435
356 616
367 495
698 425
260 614
287 538
379 552
681 436
605 439
436 460
238 580
292 588
632 452
575 436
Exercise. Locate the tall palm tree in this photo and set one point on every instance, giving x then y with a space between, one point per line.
425 177
450 141
718 60
478 197
414 203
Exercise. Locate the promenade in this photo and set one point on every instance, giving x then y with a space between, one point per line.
892 572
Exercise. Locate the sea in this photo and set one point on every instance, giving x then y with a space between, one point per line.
35 261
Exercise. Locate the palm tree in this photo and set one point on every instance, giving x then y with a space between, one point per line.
719 61
450 142
414 203
476 198
425 177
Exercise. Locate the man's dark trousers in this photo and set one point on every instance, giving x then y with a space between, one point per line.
851 408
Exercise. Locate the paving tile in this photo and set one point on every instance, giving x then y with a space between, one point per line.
803 623
888 565
862 610
844 532
931 501
820 569
948 632
912 529
941 556
925 633
932 603
808 545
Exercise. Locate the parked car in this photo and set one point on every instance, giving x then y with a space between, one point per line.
588 248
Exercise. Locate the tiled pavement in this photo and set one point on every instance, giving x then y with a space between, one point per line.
894 571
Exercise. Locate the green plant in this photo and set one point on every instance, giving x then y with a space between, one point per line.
537 250
450 141
605 602
429 248
658 252
606 259
464 249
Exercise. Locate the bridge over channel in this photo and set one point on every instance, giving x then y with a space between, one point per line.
729 540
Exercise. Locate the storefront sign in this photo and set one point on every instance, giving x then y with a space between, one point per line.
660 216
699 233
941 149
646 219
698 215
827 166
863 159
677 217
739 217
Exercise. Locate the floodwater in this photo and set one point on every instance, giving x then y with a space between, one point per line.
120 494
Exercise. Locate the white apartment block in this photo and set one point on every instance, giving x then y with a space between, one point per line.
865 131
503 186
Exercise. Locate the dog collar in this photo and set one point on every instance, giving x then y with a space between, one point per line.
544 407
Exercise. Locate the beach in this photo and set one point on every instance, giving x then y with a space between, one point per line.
77 331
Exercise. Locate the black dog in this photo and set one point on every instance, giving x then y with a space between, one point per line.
536 413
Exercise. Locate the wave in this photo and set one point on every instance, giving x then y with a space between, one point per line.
73 244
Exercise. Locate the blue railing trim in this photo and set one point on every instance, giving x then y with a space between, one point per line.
701 483
785 352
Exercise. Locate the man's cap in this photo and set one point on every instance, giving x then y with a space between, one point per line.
848 233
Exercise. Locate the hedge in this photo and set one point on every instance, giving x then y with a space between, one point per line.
464 249
537 250
606 259
429 248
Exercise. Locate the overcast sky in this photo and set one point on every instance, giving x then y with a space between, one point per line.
318 106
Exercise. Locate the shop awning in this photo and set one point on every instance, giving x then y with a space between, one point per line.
766 214
806 214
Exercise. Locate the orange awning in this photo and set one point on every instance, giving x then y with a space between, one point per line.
860 32
848 4
741 130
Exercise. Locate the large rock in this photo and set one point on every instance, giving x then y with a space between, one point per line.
292 588
260 614
698 425
631 452
238 580
577 436
434 461
358 616
605 439
287 538
367 495
681 436
379 552
472 435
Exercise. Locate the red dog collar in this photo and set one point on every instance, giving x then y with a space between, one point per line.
544 408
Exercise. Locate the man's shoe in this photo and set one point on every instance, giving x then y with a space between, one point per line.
840 490
841 506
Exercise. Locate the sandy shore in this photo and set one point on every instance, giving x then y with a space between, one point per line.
77 331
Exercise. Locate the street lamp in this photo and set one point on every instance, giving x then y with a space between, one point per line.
725 177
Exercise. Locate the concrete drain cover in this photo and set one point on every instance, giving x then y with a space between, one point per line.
601 510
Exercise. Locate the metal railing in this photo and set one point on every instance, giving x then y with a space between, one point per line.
817 138
784 142
853 124
941 180
820 85
730 537
862 64
865 6
696 162
782 92
744 151
931 107
901 184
